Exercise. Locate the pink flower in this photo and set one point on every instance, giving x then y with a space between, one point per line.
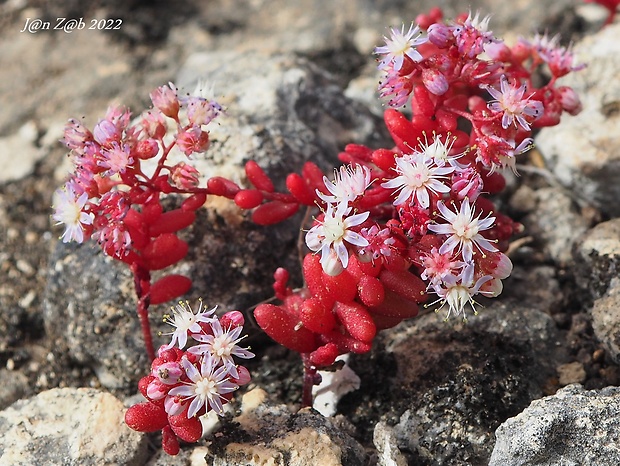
380 242
206 386
222 346
399 44
165 99
192 140
349 183
333 231
185 321
463 230
115 159
515 108
69 211
473 35
184 176
417 175
458 291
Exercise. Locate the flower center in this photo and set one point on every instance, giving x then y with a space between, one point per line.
334 229
464 227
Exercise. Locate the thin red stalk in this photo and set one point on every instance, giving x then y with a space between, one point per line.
310 377
142 284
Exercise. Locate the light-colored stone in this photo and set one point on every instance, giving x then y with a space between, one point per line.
573 427
386 444
570 373
270 435
19 154
584 151
557 222
597 257
606 319
69 426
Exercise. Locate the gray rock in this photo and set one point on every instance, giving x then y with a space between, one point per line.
16 387
69 426
573 427
584 151
446 386
265 433
606 319
597 258
556 222
386 444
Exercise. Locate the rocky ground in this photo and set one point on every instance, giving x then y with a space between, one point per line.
299 81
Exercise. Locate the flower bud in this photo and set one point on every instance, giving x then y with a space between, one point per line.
435 82
440 35
193 140
165 99
184 176
570 100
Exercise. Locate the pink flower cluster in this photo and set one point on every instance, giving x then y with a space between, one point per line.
396 224
121 172
186 383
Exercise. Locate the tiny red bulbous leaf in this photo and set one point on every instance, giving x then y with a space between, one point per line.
341 287
357 321
384 322
221 186
248 198
169 441
316 317
188 430
169 287
325 355
151 212
146 417
422 103
346 343
164 251
394 305
280 284
143 384
370 290
298 187
493 182
194 202
314 176
172 221
446 120
313 276
359 268
273 212
405 284
284 329
403 132
385 159
258 177
374 197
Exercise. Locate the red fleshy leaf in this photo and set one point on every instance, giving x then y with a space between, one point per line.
146 417
316 317
248 198
221 186
283 328
172 221
169 441
405 284
258 177
357 321
299 188
194 202
169 287
164 251
370 290
188 430
273 212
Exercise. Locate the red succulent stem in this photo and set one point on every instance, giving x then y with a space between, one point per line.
310 380
142 284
